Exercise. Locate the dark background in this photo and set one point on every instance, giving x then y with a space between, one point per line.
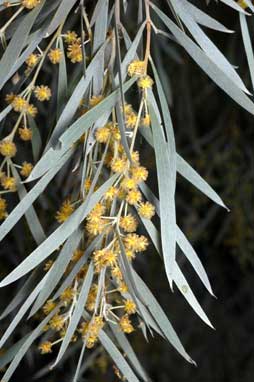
216 136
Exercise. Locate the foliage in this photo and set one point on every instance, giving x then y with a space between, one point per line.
104 106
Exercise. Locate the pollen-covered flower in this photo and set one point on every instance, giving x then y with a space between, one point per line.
130 307
139 173
103 258
42 93
74 52
90 331
70 37
9 183
55 55
146 121
95 100
56 322
77 254
135 242
45 347
3 206
102 134
30 4
145 82
136 68
25 133
146 210
111 193
128 183
95 228
32 110
19 104
9 98
8 148
91 299
48 306
128 223
133 197
131 120
125 324
67 295
65 211
32 60
26 169
119 165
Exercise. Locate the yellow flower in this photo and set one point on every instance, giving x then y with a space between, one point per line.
125 324
67 295
133 197
96 212
55 55
42 93
56 322
135 242
90 331
32 60
95 227
32 110
10 97
26 169
131 120
87 185
111 193
130 307
139 173
3 206
25 134
103 258
119 165
242 4
127 108
78 253
145 82
95 100
48 265
146 121
102 134
135 157
45 347
19 104
128 184
116 272
70 37
146 210
8 148
65 211
48 306
30 4
91 299
9 183
136 68
128 223
74 52
116 135
122 287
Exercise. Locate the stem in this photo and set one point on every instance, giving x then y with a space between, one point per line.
148 33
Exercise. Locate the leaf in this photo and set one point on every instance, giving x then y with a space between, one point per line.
75 131
62 82
130 354
207 45
193 177
31 216
57 270
117 357
17 43
165 174
25 346
22 311
58 236
28 200
203 19
186 291
77 313
216 74
247 45
62 12
233 4
161 318
36 139
77 267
